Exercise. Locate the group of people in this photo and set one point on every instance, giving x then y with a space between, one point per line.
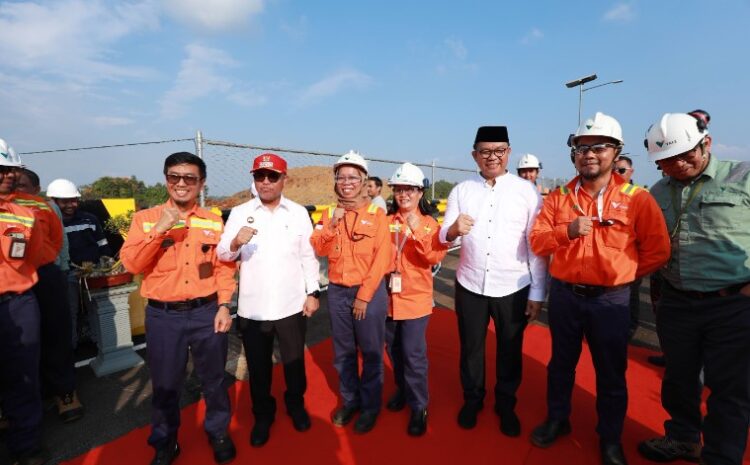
582 248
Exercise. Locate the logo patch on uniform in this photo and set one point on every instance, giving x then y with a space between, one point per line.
208 233
365 222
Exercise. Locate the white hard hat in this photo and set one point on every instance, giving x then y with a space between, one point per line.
408 175
15 158
529 161
600 125
351 158
674 134
8 156
62 189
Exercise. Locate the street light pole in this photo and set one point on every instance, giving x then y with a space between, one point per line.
580 82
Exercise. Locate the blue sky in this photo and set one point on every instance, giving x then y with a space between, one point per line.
406 80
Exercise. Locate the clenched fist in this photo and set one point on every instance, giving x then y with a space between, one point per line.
243 237
169 218
412 219
581 226
338 213
461 227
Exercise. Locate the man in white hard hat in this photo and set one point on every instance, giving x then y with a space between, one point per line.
703 317
86 241
529 167
601 234
498 276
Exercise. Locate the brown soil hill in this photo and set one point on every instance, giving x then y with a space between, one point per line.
309 185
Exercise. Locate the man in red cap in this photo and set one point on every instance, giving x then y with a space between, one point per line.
270 236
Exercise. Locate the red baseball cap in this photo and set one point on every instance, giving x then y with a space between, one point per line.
269 161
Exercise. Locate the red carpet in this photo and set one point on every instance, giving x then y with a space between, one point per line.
444 442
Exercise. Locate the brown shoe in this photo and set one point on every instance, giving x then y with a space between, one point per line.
69 408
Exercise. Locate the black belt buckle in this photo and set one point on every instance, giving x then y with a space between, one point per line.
580 290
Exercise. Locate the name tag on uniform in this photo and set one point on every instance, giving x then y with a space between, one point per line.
205 270
395 282
17 248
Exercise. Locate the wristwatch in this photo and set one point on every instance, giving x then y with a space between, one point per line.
226 304
315 293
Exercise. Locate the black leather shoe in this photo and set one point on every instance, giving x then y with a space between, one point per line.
467 416
224 451
343 415
510 425
397 402
260 433
612 454
365 422
166 455
417 423
300 420
548 432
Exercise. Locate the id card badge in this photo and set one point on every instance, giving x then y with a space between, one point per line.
17 248
395 282
205 270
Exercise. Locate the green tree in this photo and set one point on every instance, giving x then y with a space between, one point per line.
443 188
153 195
108 187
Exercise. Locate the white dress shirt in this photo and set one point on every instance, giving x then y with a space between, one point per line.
278 267
496 259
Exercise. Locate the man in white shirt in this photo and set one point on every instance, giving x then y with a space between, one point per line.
374 187
498 275
270 235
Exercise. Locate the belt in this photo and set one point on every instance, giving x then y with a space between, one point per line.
700 295
6 296
585 290
183 304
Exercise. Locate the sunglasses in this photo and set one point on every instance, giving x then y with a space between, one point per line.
598 149
188 179
272 176
621 170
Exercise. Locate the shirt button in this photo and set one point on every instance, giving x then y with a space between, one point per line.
187 263
186 282
187 245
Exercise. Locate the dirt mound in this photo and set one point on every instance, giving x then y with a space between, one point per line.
309 185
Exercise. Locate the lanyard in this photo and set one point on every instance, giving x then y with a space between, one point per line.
400 245
679 211
599 202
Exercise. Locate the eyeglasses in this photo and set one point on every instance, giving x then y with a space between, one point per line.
347 179
408 190
272 176
683 157
499 153
598 149
188 179
621 170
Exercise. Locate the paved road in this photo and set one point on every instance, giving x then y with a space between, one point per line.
119 403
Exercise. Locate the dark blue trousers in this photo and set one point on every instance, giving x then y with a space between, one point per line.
169 336
58 371
474 312
604 321
406 345
713 334
368 336
19 372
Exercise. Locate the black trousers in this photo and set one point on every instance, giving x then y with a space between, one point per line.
712 333
57 361
257 338
474 312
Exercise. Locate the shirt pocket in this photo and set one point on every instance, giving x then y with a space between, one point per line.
617 235
722 211
364 240
167 258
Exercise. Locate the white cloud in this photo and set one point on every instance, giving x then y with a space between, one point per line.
456 47
248 98
72 38
330 85
213 15
111 121
731 151
296 29
534 35
200 75
620 12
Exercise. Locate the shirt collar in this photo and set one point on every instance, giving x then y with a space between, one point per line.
256 203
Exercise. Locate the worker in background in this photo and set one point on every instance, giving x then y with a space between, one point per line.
374 189
528 168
